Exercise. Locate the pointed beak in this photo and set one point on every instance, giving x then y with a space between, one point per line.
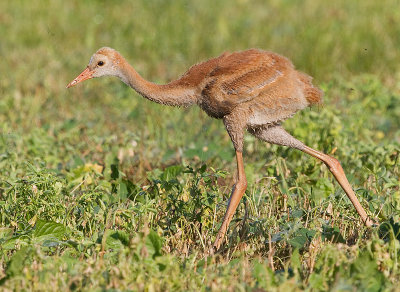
85 75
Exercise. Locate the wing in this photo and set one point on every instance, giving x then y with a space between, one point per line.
197 73
240 77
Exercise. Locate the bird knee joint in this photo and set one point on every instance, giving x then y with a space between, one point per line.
241 185
333 164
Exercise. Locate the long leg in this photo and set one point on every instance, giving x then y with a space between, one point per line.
236 196
235 128
277 135
336 169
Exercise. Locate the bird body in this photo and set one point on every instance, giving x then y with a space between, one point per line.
252 90
262 84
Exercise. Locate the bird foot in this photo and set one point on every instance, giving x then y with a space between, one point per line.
217 242
371 223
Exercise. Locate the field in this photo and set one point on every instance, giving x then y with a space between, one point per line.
102 190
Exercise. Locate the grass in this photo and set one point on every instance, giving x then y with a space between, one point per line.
103 190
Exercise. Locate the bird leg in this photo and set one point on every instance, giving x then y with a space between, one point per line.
277 135
237 193
336 169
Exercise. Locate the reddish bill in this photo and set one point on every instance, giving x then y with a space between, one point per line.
85 75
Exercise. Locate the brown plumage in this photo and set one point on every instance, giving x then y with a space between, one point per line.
251 90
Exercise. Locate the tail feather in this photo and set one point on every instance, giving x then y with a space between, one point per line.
313 94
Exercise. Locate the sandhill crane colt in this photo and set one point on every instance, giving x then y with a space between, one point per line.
251 90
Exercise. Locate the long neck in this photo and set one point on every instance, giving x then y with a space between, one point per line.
169 94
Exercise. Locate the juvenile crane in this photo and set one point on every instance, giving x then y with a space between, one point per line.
251 90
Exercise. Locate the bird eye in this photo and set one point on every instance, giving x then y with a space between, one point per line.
100 63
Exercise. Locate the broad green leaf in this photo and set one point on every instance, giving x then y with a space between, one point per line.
11 243
295 259
114 171
18 261
5 233
203 168
302 237
154 243
366 273
122 191
332 234
172 172
116 239
48 230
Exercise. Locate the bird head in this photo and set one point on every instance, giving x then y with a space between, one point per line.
103 63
